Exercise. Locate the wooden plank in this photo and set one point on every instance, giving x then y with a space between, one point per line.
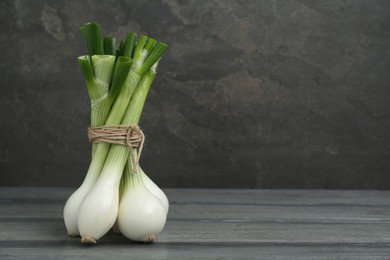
52 208
279 197
232 213
220 231
221 196
276 213
211 224
172 251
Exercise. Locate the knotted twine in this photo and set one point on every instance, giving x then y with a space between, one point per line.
130 136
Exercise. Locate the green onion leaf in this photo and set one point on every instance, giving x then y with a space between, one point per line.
103 65
109 46
122 69
139 55
121 46
157 52
128 46
87 70
135 107
150 44
92 38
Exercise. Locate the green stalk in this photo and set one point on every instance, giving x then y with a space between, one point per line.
109 46
100 108
87 70
139 55
92 38
122 69
133 113
102 97
153 57
121 104
134 110
118 154
97 73
121 47
128 45
103 66
150 44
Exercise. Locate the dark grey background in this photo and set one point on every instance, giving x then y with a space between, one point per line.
251 94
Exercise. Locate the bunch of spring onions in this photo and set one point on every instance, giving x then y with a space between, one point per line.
112 194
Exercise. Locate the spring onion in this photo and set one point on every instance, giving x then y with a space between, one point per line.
99 209
118 81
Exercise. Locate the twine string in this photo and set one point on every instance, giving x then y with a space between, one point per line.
130 136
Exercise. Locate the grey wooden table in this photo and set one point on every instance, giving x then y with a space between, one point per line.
212 224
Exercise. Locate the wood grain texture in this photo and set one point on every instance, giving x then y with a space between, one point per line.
212 224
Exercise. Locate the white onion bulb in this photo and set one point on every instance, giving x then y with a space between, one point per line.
141 215
99 209
73 203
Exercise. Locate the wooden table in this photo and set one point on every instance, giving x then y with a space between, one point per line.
211 224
